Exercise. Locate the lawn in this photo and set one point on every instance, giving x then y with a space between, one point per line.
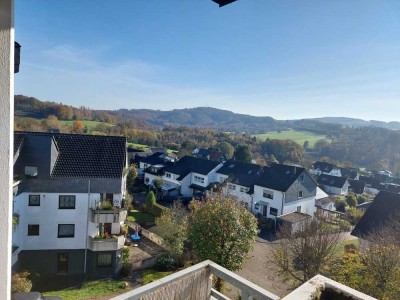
297 136
139 217
90 289
145 147
340 246
150 275
88 124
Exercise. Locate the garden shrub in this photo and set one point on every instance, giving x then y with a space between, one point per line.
165 262
21 283
157 210
150 201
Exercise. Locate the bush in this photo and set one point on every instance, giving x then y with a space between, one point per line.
126 253
126 269
340 205
21 283
165 262
105 205
150 201
157 210
354 215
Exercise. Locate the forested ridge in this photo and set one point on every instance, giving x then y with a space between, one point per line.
371 147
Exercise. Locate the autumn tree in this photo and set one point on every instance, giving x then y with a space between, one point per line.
157 184
172 226
302 255
78 126
225 240
131 176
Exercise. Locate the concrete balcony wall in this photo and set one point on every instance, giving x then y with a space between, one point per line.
108 216
110 244
195 283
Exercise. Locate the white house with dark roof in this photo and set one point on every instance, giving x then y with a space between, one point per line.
334 185
282 189
191 175
321 167
69 199
239 179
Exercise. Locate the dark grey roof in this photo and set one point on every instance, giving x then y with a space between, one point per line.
324 166
211 154
348 173
154 159
18 140
294 217
87 156
188 164
241 173
158 149
334 181
384 206
370 181
279 177
357 186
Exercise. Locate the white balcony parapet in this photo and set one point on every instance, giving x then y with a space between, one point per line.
110 244
318 285
195 283
108 216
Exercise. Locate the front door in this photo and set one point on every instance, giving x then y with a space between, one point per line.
62 263
265 210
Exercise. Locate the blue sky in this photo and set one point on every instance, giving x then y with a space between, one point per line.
285 59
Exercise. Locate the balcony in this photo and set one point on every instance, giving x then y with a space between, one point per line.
108 216
106 244
196 283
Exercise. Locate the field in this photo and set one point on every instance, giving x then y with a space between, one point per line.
297 136
88 124
145 147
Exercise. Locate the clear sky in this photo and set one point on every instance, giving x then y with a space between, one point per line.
284 59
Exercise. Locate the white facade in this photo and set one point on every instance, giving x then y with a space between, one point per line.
48 216
338 191
239 193
334 172
271 203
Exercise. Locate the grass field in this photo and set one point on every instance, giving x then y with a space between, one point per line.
88 124
144 147
297 136
90 289
151 275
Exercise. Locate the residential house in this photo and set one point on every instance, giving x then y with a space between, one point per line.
381 211
192 176
324 201
372 185
210 154
67 183
239 179
321 167
349 173
334 185
282 189
357 186
157 158
136 155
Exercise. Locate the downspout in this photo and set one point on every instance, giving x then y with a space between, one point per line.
283 201
87 229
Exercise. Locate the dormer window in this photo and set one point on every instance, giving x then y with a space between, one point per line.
302 178
31 171
168 175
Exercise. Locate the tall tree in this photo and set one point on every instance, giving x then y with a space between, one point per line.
243 154
226 148
302 255
172 226
227 240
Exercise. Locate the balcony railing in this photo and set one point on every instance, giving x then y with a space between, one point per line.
196 283
108 216
109 244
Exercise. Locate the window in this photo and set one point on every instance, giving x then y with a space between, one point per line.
104 260
302 178
33 229
257 206
31 171
231 187
147 180
66 202
300 194
268 194
34 200
298 209
145 166
66 230
199 179
244 190
168 175
273 211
